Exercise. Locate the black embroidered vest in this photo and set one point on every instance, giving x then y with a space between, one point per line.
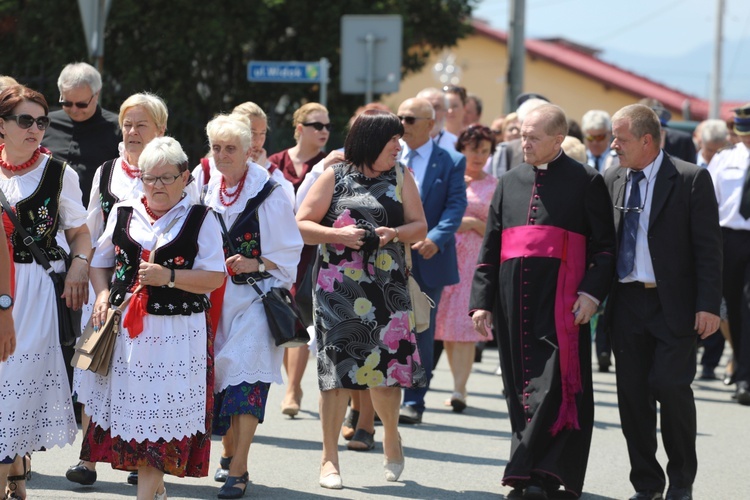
245 233
107 199
39 215
179 253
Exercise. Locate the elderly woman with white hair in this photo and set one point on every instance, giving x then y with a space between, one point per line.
262 242
152 412
143 117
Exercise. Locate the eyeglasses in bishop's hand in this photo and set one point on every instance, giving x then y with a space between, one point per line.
26 121
318 126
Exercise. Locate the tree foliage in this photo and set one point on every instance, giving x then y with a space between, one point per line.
195 54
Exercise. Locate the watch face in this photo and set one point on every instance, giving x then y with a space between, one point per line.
5 301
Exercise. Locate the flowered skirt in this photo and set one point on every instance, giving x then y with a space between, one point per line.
242 399
188 456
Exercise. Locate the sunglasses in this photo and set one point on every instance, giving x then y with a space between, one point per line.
596 138
166 180
26 121
410 120
318 126
79 105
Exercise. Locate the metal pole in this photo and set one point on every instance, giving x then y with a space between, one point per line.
324 64
516 53
715 98
369 66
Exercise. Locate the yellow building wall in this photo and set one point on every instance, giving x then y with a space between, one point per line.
484 61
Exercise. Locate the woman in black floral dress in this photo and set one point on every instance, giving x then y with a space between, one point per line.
360 218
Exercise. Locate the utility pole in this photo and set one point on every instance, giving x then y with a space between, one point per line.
715 97
516 53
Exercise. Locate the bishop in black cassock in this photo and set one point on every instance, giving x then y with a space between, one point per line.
546 261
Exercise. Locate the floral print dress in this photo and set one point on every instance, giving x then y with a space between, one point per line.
362 309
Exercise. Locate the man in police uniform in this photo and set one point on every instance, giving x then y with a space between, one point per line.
729 171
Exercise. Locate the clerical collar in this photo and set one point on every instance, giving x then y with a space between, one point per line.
544 166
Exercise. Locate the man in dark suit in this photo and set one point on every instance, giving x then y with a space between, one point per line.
667 293
440 177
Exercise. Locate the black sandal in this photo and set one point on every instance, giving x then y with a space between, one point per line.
12 480
222 473
365 440
349 427
229 490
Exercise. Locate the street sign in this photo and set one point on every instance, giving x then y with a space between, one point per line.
283 71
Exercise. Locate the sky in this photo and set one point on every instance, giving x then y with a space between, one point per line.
626 29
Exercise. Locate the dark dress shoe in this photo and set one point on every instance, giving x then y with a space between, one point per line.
409 415
605 361
515 494
535 492
81 475
679 493
133 478
647 495
708 374
743 393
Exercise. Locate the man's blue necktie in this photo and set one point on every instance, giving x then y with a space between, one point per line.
626 257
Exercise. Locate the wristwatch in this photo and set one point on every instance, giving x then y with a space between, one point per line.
82 257
395 238
261 265
171 279
6 301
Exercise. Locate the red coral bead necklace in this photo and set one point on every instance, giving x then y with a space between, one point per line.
149 211
22 166
225 197
132 172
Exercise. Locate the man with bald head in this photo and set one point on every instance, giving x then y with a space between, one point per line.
546 263
440 104
440 178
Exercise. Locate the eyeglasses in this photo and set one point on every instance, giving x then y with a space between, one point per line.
166 180
410 120
596 138
26 121
635 210
79 105
318 126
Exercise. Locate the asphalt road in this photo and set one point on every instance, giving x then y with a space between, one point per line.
448 456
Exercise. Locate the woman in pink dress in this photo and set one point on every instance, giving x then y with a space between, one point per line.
453 324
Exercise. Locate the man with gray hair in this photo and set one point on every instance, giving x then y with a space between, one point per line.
439 101
510 154
82 133
713 139
596 125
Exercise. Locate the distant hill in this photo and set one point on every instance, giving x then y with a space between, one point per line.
691 72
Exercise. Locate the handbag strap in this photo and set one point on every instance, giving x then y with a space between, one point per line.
26 237
400 185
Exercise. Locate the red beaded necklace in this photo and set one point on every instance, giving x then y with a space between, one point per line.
132 172
149 211
16 168
230 199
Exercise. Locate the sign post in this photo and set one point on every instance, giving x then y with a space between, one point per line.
291 72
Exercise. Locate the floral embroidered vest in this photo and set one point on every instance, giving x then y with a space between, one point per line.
244 234
179 253
107 199
39 215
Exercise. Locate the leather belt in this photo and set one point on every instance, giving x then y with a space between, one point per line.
639 284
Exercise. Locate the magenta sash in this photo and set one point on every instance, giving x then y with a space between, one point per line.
570 248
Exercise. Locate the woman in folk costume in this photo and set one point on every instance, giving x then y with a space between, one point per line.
143 117
44 194
152 412
258 223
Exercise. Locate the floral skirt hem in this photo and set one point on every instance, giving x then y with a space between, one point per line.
242 399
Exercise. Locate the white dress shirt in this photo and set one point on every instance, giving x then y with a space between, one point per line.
643 269
727 169
419 162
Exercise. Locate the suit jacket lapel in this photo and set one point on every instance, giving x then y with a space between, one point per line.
618 188
430 173
662 187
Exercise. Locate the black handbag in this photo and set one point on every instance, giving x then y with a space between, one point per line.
68 319
283 315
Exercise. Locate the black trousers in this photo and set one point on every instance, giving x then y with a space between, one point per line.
654 365
737 294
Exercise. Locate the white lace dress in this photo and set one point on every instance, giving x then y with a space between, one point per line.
156 388
123 187
244 350
35 405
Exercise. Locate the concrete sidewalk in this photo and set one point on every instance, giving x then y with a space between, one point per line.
448 456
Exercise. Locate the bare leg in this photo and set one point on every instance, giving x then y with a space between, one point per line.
460 359
16 469
332 410
386 401
244 431
366 412
4 473
295 362
150 482
228 442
